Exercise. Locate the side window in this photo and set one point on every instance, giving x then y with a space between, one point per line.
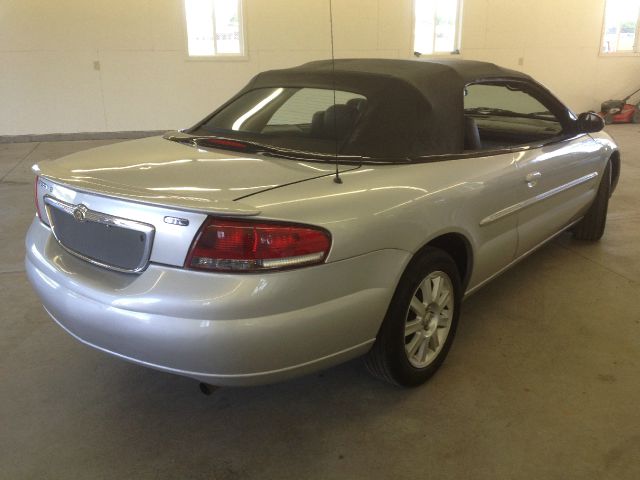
504 115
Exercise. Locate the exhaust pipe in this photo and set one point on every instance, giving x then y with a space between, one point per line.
207 389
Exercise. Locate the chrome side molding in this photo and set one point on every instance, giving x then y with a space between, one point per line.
538 198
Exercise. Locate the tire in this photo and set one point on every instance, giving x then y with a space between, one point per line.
429 334
591 227
636 115
608 119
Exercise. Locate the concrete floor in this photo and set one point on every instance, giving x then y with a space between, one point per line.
542 382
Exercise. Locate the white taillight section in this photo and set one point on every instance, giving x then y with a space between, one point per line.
38 199
250 246
36 196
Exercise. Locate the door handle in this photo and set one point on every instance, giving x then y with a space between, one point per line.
532 179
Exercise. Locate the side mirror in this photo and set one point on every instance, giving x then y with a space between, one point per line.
589 122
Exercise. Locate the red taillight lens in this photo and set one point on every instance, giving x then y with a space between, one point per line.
222 142
239 245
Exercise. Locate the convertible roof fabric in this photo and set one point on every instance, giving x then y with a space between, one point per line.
414 107
422 74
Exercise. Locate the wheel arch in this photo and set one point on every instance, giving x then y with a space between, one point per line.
458 247
615 169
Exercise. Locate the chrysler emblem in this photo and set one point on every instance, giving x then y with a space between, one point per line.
80 213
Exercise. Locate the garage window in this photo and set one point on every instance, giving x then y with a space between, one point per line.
214 28
436 26
621 27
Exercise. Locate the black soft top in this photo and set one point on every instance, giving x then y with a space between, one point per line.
414 107
424 75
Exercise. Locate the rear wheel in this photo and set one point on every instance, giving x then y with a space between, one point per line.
421 322
636 115
608 119
591 227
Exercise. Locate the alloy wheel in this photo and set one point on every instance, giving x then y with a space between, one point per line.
428 319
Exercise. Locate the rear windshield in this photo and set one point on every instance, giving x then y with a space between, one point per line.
305 119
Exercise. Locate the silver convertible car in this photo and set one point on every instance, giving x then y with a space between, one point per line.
325 212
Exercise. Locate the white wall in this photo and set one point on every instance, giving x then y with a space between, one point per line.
558 42
48 83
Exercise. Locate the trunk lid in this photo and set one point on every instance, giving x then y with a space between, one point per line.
158 171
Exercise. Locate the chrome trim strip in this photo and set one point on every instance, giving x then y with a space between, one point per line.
105 219
538 198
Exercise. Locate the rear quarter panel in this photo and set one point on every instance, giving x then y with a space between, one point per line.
405 206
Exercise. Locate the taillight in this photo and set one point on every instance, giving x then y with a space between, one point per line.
248 246
35 197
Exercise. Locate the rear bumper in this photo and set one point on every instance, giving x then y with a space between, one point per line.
220 329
